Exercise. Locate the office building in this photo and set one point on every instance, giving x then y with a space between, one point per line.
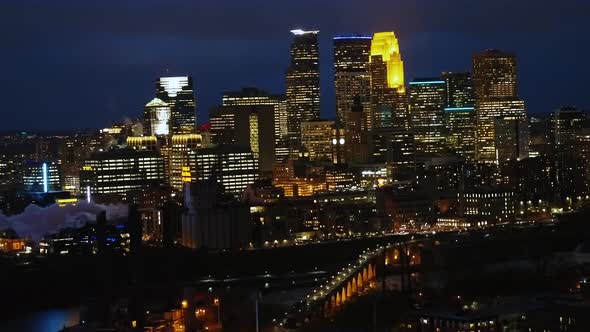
181 169
565 123
460 129
303 83
178 93
496 92
397 148
386 68
122 170
316 138
41 176
460 91
510 113
246 125
426 104
489 205
234 166
256 97
147 143
351 72
156 118
356 133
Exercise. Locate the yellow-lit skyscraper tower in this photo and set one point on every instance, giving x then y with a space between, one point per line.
388 93
386 46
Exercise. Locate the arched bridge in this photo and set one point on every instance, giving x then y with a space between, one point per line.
364 275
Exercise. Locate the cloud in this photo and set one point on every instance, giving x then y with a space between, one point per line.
36 221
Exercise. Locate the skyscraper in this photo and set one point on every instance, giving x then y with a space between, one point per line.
495 81
460 125
246 125
180 167
303 83
235 167
316 137
426 104
460 89
253 97
356 133
388 106
120 171
178 93
156 118
351 72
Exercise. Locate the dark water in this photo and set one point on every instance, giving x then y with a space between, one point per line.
44 321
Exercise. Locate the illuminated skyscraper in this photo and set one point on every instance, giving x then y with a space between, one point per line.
495 75
178 93
495 81
303 83
156 118
316 137
235 167
41 176
460 125
351 72
388 104
427 103
385 48
181 168
246 125
121 171
460 89
508 116
254 97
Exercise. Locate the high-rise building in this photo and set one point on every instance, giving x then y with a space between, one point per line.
507 138
181 170
251 126
120 171
460 90
178 93
509 113
386 68
426 104
316 138
565 123
460 126
41 176
356 133
495 81
303 83
351 72
385 49
156 118
234 166
396 148
569 142
256 97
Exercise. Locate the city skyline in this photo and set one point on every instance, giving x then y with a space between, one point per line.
118 75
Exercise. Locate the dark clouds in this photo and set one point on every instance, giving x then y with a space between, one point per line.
87 63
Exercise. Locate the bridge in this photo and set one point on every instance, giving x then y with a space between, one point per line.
358 278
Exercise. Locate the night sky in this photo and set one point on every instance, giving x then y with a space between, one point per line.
86 64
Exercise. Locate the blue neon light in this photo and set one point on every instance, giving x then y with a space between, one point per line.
352 37
428 82
451 109
44 177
